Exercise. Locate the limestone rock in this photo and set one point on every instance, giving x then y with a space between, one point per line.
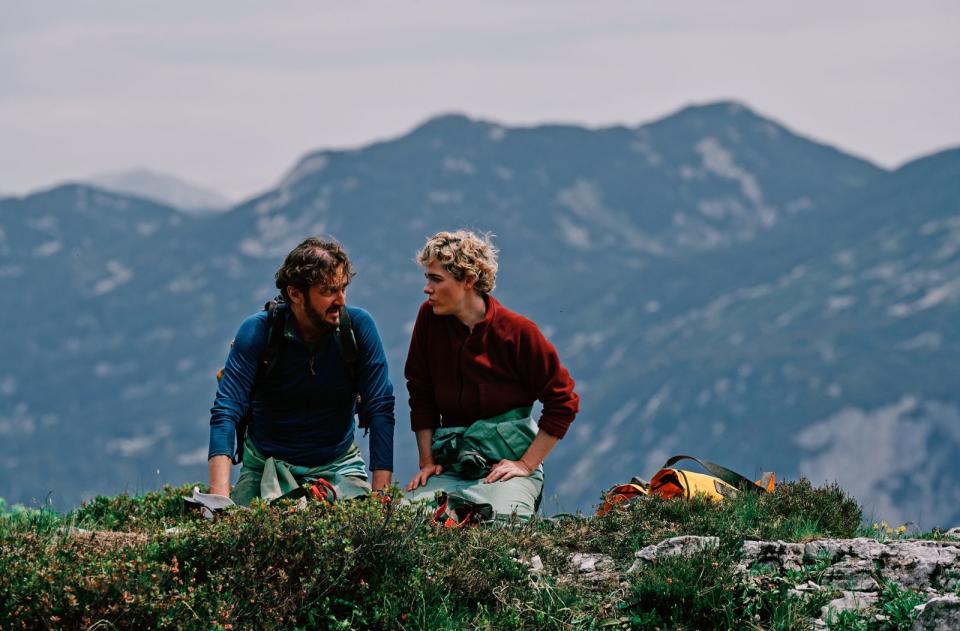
920 565
849 601
855 575
939 614
778 555
686 545
859 566
804 590
536 563
834 550
590 568
584 562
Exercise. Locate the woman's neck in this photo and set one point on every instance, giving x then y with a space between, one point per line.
473 310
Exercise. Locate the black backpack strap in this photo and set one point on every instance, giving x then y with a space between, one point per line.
276 321
348 350
732 478
348 343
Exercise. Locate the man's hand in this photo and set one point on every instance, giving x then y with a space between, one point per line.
506 469
218 468
425 472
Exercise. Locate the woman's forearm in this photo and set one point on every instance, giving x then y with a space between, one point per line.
543 443
424 442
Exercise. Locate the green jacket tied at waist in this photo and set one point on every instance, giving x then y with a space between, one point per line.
470 452
269 478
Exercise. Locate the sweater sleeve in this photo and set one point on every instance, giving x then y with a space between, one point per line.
549 379
376 390
234 389
424 413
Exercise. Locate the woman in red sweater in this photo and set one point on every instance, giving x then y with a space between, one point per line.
473 372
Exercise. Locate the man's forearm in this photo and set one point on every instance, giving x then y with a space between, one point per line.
381 479
218 468
381 427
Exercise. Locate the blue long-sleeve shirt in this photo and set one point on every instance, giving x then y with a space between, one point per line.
304 412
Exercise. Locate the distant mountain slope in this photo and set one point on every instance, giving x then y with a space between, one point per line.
162 188
834 355
716 283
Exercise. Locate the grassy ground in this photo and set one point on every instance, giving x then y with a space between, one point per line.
364 565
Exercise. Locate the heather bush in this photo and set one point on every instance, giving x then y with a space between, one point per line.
142 562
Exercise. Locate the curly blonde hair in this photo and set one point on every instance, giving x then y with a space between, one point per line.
464 254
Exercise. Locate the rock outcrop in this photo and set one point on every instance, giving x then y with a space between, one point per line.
849 574
856 570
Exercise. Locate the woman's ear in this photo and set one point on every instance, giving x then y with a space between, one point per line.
469 281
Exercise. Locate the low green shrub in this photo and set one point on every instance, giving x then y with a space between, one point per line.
141 562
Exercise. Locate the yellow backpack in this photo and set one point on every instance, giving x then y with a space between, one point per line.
669 482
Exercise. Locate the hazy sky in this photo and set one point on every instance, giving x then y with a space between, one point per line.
229 94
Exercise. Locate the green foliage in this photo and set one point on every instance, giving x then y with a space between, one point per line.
847 621
805 511
795 511
697 592
145 513
897 605
143 562
885 532
767 596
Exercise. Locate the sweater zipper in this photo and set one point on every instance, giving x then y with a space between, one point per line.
312 371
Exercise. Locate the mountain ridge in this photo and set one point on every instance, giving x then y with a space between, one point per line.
696 279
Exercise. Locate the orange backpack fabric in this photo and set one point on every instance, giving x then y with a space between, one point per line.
670 482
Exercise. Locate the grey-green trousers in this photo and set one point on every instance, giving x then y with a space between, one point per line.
516 495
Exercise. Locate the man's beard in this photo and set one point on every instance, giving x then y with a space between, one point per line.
316 318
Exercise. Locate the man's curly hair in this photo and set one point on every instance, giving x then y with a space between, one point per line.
464 254
312 262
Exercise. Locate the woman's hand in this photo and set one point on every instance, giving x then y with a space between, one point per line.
506 469
425 472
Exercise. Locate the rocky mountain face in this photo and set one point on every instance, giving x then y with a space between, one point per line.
716 284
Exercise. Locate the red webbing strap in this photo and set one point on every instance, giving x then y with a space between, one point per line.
441 516
323 491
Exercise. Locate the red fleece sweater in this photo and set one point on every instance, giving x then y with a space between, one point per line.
455 376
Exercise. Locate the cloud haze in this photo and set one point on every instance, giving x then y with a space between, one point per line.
230 94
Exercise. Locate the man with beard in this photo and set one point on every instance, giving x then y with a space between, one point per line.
301 409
